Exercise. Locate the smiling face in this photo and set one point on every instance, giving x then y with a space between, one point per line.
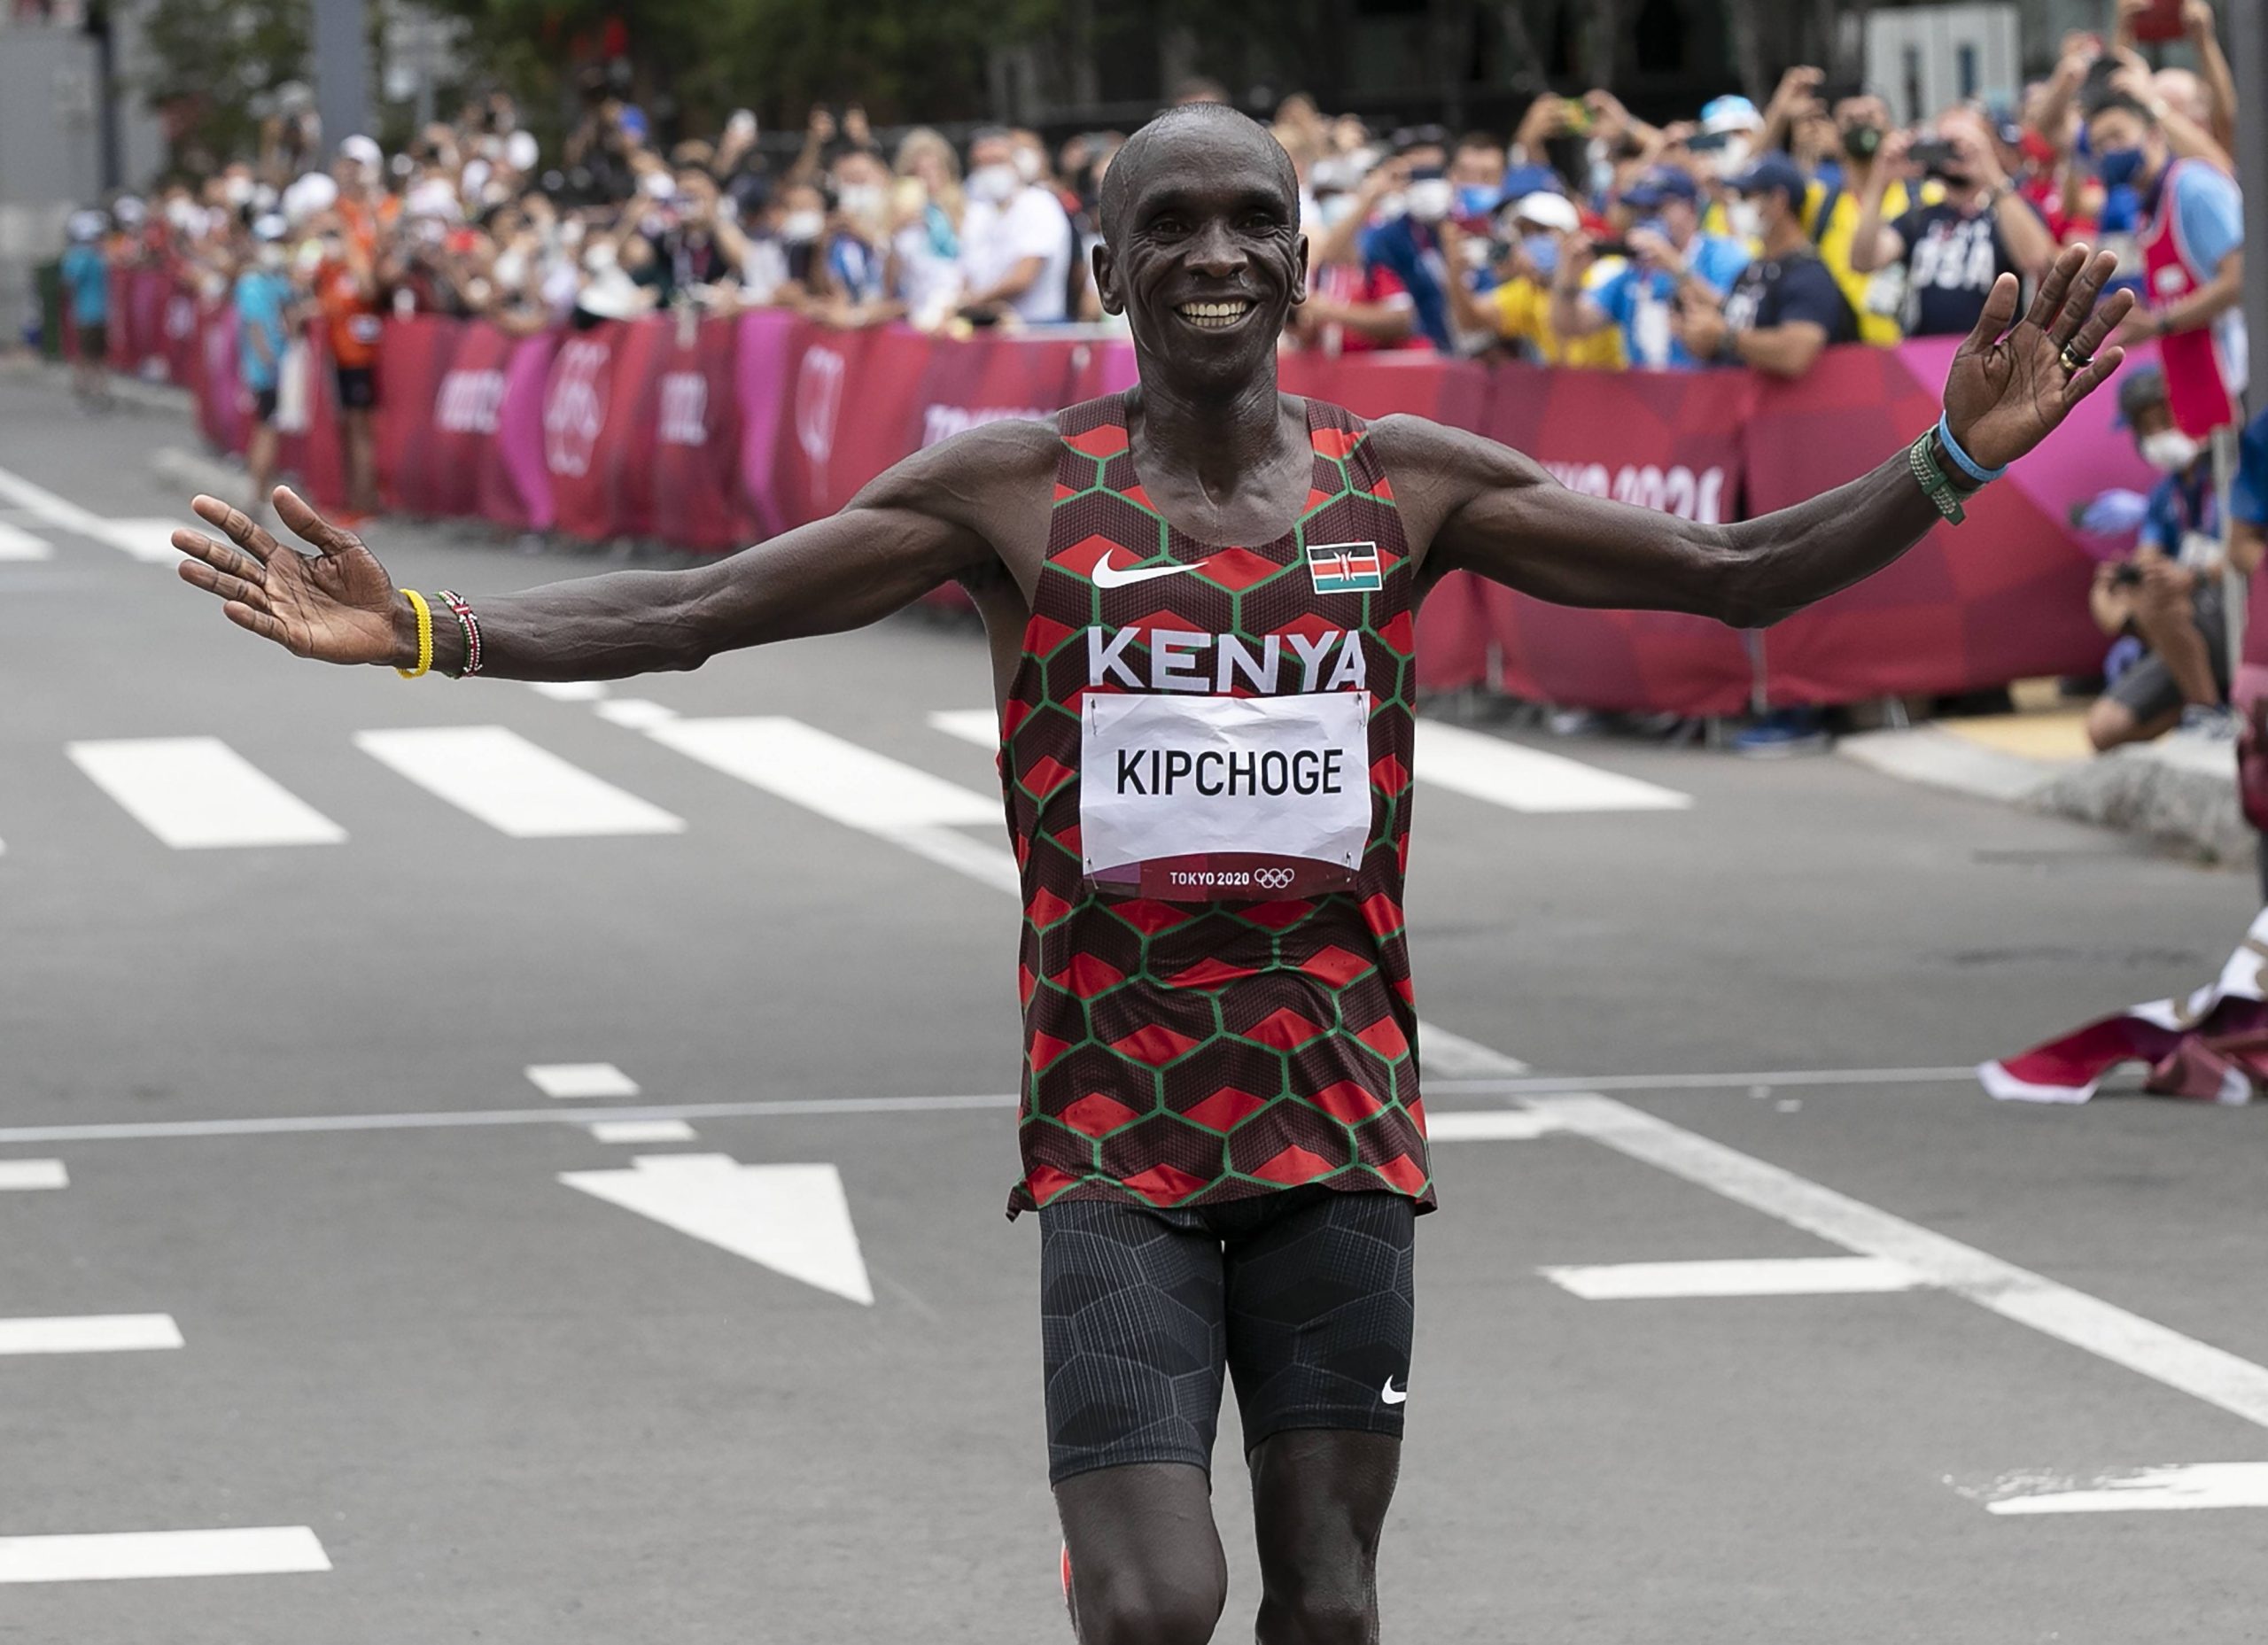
1201 249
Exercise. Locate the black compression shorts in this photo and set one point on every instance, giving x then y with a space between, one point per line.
1303 1297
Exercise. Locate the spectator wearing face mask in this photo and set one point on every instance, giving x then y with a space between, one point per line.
1395 226
1667 251
2192 243
801 231
1953 248
1785 308
1537 235
924 236
857 238
262 298
1015 240
2164 603
1832 203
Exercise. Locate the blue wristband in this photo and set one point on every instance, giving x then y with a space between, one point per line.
1963 461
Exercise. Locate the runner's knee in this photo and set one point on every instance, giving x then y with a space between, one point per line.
1320 1607
1148 1609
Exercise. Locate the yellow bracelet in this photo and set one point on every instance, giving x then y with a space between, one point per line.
424 635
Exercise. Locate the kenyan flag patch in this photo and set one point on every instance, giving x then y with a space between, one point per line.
1346 569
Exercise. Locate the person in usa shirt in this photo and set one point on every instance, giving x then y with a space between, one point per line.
1955 246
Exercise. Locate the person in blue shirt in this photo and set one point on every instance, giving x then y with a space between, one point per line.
86 286
2170 659
1668 251
263 301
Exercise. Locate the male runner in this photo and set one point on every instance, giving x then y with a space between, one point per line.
1199 597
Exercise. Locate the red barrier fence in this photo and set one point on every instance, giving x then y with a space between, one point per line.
711 434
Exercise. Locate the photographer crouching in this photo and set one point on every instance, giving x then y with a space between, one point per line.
2171 664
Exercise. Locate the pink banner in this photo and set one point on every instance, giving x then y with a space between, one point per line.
2002 597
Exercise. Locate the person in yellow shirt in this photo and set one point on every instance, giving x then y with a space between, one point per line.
1536 228
1830 212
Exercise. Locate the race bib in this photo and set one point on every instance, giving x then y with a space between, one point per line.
1206 798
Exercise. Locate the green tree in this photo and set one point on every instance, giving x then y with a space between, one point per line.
218 65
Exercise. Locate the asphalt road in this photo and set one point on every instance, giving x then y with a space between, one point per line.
504 1409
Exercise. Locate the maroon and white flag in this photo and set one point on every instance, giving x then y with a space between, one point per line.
2212 1046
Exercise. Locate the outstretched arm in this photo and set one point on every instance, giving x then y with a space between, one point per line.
913 528
1484 508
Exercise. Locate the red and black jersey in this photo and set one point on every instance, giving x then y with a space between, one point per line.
1211 1021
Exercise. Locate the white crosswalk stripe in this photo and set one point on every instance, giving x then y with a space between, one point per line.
19 544
512 785
1471 763
196 793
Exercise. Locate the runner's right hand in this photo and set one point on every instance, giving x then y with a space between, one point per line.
337 605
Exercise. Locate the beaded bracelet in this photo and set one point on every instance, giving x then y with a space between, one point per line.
424 635
1933 479
470 623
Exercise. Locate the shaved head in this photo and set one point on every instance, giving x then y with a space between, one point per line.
1182 135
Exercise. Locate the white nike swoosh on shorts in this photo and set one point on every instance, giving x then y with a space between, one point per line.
1390 1395
1108 575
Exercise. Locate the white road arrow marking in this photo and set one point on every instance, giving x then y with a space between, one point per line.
793 1219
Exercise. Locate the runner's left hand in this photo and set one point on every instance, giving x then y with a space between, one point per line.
2006 393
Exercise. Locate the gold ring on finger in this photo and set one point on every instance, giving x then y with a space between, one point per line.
2074 362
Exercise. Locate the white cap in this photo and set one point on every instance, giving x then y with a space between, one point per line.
362 150
270 226
86 226
1552 211
313 192
128 210
520 150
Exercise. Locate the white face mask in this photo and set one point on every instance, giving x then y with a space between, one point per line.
801 227
1332 209
1746 218
1733 159
862 200
1429 200
992 184
2169 451
272 257
1028 164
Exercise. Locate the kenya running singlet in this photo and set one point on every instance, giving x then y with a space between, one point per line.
1207 761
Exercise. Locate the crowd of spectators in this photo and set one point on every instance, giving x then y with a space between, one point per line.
1588 237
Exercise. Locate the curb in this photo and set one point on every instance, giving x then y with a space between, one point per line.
2180 791
200 473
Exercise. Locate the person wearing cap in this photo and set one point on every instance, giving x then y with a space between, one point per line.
2164 603
85 278
1535 237
1668 251
1785 308
1732 134
1953 248
263 300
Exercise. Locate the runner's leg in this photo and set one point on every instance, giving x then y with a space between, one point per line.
1319 1498
1320 1316
1131 1304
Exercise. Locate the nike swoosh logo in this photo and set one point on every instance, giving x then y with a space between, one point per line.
1393 1395
1108 575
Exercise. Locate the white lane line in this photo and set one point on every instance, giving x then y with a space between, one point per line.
981 726
515 787
841 780
2174 1486
30 1173
2213 1375
1509 1125
144 539
1522 778
18 544
147 540
1452 1056
316 1124
635 713
793 1219
127 1556
568 1081
568 690
1545 1085
196 793
641 1131
1755 1277
90 1333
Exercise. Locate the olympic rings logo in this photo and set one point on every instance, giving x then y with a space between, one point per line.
1272 879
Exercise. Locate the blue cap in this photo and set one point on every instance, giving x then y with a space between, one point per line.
1776 170
1522 181
1662 182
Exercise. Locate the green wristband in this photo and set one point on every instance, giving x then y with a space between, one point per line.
1933 481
